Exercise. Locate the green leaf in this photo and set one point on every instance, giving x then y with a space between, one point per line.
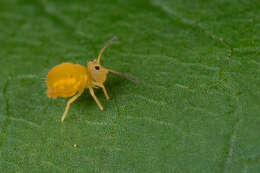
196 108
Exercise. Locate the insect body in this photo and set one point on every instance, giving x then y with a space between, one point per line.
68 79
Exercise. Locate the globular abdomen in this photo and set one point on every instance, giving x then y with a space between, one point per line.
66 79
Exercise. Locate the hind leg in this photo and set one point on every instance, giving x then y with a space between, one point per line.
68 105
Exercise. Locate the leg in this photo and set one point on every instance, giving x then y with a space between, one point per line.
101 85
95 98
68 105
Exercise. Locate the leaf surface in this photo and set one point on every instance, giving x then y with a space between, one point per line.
195 109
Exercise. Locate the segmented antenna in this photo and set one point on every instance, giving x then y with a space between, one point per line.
106 45
124 75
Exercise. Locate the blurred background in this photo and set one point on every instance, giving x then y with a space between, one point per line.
195 109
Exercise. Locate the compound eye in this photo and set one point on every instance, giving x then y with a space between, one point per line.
97 67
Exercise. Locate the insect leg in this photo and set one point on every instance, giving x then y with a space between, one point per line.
68 105
101 85
95 98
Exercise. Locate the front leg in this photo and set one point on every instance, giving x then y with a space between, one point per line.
101 85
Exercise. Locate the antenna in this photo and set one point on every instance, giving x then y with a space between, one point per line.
124 75
106 45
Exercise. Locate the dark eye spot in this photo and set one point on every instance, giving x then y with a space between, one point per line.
97 67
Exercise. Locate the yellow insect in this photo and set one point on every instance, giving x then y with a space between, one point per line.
68 79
